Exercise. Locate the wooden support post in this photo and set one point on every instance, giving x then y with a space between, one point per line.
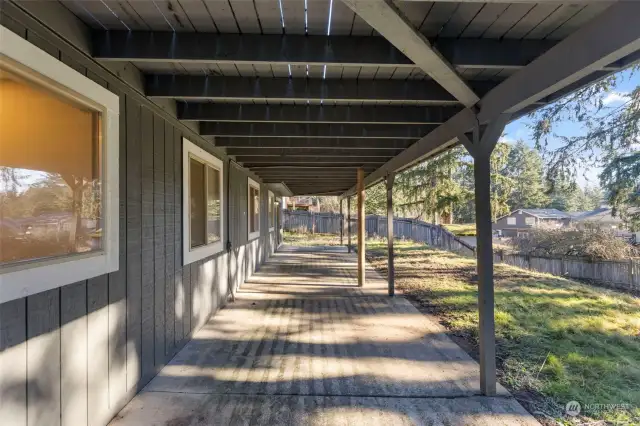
349 224
341 222
481 149
390 267
361 219
485 276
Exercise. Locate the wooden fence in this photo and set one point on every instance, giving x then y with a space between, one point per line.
376 226
619 274
309 222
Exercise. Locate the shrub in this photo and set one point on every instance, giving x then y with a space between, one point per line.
595 244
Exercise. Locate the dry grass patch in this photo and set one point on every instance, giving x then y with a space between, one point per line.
461 229
557 340
302 239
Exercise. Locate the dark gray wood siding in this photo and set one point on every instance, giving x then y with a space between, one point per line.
75 355
501 223
520 217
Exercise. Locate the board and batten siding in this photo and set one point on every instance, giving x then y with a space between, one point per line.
76 355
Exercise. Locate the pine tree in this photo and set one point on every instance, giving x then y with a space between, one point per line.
610 136
525 168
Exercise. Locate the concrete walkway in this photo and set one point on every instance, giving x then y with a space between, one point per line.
304 345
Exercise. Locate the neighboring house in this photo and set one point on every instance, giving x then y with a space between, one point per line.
303 203
600 218
523 220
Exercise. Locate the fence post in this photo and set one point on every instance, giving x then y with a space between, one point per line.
313 223
631 273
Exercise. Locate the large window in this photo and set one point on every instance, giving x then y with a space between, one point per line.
253 209
58 173
203 203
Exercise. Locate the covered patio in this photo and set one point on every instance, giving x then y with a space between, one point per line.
314 97
330 97
303 344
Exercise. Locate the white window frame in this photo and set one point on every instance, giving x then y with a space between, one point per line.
42 275
272 217
510 220
252 184
190 255
530 220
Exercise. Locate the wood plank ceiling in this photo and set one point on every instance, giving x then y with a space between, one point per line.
305 91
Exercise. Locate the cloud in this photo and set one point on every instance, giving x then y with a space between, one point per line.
615 98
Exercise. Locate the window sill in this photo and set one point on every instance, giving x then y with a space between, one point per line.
54 273
199 253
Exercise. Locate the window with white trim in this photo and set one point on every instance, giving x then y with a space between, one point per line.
530 220
59 205
272 210
253 209
276 211
203 202
511 221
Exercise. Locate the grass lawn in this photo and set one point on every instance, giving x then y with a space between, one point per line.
557 340
299 239
462 229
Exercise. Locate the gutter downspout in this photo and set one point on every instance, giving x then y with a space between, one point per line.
229 244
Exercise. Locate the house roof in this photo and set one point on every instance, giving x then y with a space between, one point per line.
547 213
602 214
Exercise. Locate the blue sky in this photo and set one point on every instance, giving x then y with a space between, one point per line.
519 129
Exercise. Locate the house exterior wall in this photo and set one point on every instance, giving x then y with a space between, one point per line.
511 230
76 355
521 225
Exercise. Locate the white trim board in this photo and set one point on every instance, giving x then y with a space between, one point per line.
190 255
252 184
38 276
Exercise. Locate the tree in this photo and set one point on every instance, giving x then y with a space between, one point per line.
375 201
610 136
502 185
524 167
623 177
430 190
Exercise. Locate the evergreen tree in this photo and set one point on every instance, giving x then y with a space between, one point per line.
502 185
610 136
525 169
429 191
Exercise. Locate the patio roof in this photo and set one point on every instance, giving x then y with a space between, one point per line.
304 92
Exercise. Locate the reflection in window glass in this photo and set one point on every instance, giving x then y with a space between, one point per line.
213 205
197 208
50 173
205 205
276 207
271 221
254 209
